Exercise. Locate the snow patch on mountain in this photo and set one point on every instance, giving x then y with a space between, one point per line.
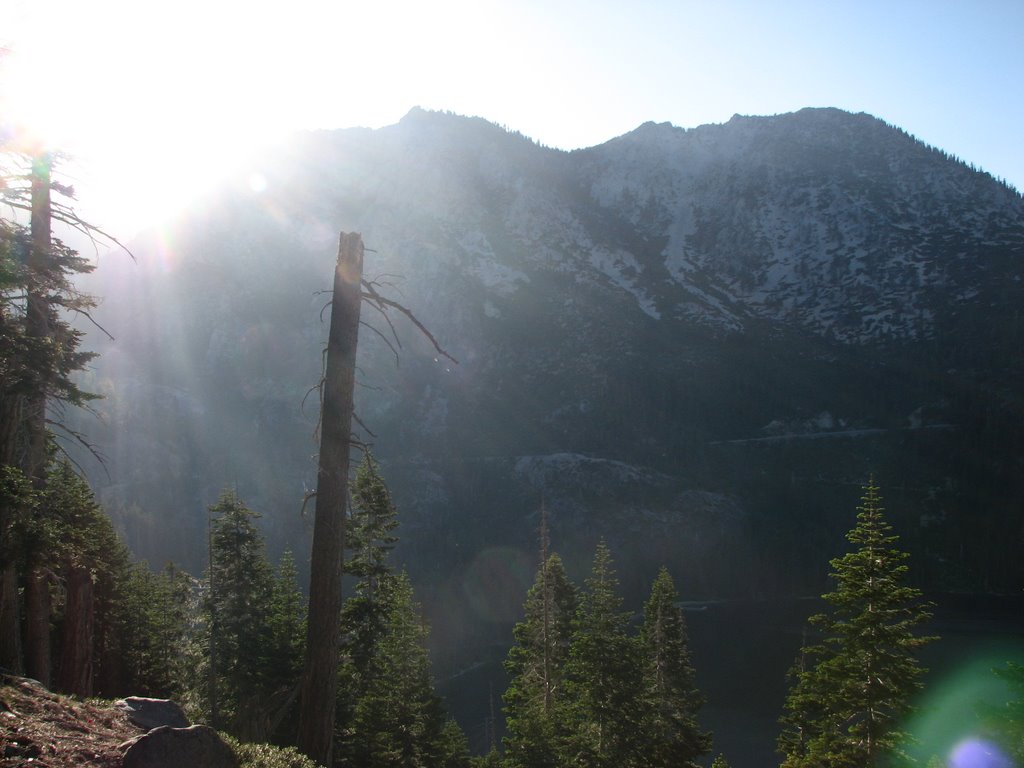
572 468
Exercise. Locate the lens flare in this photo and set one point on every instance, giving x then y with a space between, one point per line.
496 583
977 753
947 724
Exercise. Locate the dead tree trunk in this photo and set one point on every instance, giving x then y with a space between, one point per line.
319 683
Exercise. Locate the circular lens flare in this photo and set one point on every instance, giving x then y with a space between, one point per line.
978 753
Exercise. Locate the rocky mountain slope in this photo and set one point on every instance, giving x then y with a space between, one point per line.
695 343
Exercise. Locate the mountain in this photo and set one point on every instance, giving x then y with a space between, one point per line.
696 344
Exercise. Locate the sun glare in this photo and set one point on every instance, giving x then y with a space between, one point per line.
149 122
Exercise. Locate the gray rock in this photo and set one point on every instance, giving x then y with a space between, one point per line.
196 747
152 713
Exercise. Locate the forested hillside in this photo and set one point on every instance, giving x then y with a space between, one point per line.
692 342
688 348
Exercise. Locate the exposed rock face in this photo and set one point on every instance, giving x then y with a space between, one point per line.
153 713
198 746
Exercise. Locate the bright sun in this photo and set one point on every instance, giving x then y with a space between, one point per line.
149 123
159 101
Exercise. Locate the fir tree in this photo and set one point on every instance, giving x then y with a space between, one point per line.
853 689
599 712
39 357
287 620
370 540
386 713
239 589
159 627
77 540
536 668
671 734
398 721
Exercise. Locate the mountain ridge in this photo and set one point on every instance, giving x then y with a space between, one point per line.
660 301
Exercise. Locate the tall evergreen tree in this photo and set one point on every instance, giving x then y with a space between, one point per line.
398 720
853 689
39 355
536 668
387 713
671 734
287 618
599 712
159 626
370 539
373 519
239 590
88 563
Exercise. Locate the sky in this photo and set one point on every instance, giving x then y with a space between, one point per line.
158 101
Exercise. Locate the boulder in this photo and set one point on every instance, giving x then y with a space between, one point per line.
198 746
153 713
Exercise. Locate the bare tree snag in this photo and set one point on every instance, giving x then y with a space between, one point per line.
319 683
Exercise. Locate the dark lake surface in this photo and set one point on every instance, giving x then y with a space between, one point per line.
743 649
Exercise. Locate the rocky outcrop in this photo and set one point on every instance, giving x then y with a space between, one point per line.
153 713
198 746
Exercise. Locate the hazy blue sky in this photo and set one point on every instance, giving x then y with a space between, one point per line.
178 89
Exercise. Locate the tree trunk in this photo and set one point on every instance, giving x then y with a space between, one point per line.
38 607
37 324
10 620
319 683
37 318
10 613
77 651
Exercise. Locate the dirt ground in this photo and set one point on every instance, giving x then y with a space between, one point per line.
39 728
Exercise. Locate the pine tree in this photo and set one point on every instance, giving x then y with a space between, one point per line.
369 531
671 734
398 720
600 712
39 356
370 540
853 689
75 538
287 625
158 627
239 589
386 713
536 668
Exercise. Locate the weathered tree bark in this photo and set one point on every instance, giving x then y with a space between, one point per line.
319 683
76 673
37 325
10 620
37 318
38 607
10 615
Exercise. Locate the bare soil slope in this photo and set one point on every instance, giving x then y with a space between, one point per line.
39 728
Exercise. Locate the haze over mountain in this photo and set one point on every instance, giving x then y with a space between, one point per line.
694 343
